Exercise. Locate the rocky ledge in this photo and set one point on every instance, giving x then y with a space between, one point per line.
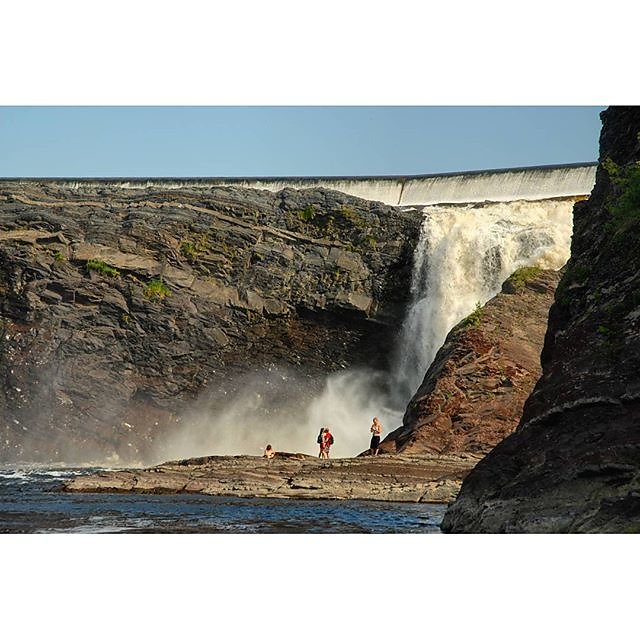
389 478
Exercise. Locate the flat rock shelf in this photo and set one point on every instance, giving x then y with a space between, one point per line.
434 479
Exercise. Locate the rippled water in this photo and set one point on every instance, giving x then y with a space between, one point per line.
29 503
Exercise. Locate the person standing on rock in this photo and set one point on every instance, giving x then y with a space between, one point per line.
269 452
320 441
327 441
376 430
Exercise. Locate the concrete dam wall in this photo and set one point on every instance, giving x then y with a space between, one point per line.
502 185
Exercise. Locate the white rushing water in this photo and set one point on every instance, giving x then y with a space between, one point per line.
464 254
533 183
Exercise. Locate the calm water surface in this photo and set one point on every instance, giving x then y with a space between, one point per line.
29 503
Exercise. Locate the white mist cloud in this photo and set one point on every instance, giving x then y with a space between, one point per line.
284 409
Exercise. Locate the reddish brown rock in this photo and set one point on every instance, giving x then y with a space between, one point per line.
473 394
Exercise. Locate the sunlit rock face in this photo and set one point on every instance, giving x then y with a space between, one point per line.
473 393
573 464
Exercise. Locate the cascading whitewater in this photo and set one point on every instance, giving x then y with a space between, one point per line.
464 255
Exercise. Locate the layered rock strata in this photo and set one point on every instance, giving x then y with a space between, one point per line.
473 393
573 464
389 478
118 308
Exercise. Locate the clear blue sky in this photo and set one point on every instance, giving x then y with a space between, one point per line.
289 141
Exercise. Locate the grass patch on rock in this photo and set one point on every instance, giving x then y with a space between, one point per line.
188 250
519 278
345 224
156 290
101 267
353 218
192 248
307 214
474 318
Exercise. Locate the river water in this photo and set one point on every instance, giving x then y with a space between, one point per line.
31 503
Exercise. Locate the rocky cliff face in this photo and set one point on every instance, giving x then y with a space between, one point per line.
473 394
118 308
574 462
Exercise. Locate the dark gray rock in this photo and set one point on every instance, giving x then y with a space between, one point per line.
191 289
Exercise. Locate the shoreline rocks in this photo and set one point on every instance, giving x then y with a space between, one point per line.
435 479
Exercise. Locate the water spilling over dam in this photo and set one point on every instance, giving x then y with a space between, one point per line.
501 185
464 255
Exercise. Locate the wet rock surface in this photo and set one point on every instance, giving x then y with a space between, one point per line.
573 464
388 478
473 393
119 307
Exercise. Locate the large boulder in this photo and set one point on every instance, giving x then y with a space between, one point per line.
473 393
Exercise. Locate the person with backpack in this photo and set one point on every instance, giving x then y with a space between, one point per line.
327 441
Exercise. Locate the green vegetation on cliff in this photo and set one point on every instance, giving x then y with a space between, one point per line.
521 276
192 248
624 205
156 290
99 266
339 224
474 318
307 214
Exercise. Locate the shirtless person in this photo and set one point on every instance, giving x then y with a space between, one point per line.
376 430
269 452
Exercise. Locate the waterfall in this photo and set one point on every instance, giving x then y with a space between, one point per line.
464 254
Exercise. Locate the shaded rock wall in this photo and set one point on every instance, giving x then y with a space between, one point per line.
473 394
574 462
118 308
